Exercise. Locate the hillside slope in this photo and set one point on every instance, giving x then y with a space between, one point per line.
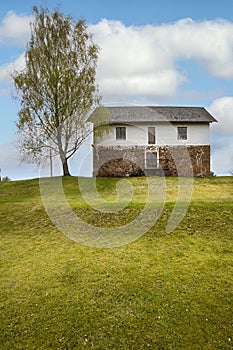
162 291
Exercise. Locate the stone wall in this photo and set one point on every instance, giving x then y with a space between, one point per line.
200 156
103 155
173 160
185 161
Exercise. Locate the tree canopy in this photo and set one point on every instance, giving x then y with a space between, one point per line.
57 88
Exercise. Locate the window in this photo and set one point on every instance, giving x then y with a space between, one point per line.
151 135
182 133
151 160
121 133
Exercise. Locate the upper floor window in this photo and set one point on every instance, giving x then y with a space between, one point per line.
120 133
182 133
151 135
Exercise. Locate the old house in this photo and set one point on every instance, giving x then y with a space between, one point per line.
154 140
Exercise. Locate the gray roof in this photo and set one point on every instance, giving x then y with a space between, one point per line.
140 114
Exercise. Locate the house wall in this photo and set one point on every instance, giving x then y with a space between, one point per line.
166 134
177 160
185 161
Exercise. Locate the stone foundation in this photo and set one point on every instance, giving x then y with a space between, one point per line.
103 155
173 161
119 168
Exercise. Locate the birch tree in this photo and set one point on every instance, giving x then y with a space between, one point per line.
57 88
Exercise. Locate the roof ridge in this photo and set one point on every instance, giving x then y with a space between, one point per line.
140 114
156 106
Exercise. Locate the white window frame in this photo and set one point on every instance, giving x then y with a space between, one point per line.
153 135
179 135
156 166
120 138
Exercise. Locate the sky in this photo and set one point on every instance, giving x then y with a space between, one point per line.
153 52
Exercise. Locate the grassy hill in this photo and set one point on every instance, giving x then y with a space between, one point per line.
162 291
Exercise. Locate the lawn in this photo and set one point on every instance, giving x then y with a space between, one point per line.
161 291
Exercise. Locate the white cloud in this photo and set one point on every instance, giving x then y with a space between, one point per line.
163 83
222 155
222 135
15 28
130 63
7 69
211 42
222 110
143 60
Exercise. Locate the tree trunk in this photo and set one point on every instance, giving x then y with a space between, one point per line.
66 171
62 153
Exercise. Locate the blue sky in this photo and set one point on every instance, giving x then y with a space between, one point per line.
130 12
176 52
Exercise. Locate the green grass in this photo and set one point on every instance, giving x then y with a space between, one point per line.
162 291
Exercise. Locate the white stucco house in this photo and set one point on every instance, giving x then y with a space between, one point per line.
153 140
